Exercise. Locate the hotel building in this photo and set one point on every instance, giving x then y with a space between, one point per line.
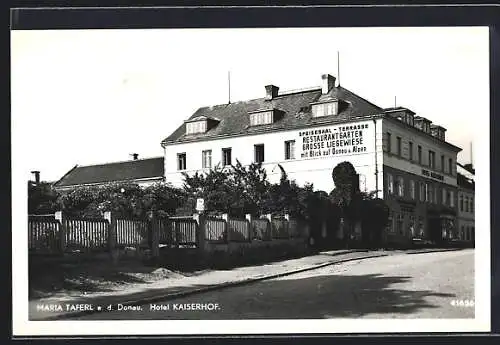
403 157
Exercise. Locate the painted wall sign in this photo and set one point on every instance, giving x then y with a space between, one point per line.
335 140
432 174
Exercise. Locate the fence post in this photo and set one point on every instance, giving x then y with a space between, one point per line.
225 217
111 236
287 224
155 238
200 235
62 231
269 217
248 217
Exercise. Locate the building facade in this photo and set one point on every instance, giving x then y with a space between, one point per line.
403 158
466 201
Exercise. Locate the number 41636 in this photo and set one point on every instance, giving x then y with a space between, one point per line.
462 303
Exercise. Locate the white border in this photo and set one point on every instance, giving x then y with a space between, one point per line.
22 327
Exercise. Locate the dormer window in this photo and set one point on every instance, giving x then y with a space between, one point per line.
438 132
409 119
325 109
200 124
261 117
423 124
196 127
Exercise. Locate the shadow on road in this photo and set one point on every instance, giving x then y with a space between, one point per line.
335 296
317 297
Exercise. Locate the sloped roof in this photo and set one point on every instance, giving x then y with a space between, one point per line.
294 107
115 171
465 182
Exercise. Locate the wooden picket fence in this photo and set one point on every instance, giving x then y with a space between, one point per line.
55 234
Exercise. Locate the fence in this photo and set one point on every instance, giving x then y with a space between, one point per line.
261 229
55 234
85 234
43 234
280 228
239 230
216 230
132 232
184 231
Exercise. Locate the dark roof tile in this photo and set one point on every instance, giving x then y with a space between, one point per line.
296 110
111 172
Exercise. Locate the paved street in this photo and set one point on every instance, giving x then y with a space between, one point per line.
395 286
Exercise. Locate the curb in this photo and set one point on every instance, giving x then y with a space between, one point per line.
174 295
436 251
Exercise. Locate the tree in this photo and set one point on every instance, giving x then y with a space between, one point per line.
346 194
42 198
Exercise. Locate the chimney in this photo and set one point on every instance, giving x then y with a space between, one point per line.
328 82
271 91
37 176
135 156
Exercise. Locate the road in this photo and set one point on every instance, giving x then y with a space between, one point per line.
395 286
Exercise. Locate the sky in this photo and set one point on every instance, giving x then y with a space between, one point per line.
95 96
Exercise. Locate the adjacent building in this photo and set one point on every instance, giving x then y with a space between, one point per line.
402 157
144 172
466 186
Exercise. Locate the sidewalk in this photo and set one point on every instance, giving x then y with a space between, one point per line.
137 294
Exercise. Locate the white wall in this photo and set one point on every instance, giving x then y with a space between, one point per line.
403 163
316 170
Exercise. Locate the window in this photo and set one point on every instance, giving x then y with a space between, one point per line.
472 204
261 118
451 198
462 233
422 192
450 166
435 195
443 196
390 184
410 149
392 219
427 193
399 223
432 159
461 203
325 109
398 141
196 127
442 163
466 204
421 229
259 153
411 226
226 156
412 189
290 149
206 157
389 142
181 161
419 153
401 186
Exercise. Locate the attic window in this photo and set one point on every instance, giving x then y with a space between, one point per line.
262 117
196 127
325 109
409 119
